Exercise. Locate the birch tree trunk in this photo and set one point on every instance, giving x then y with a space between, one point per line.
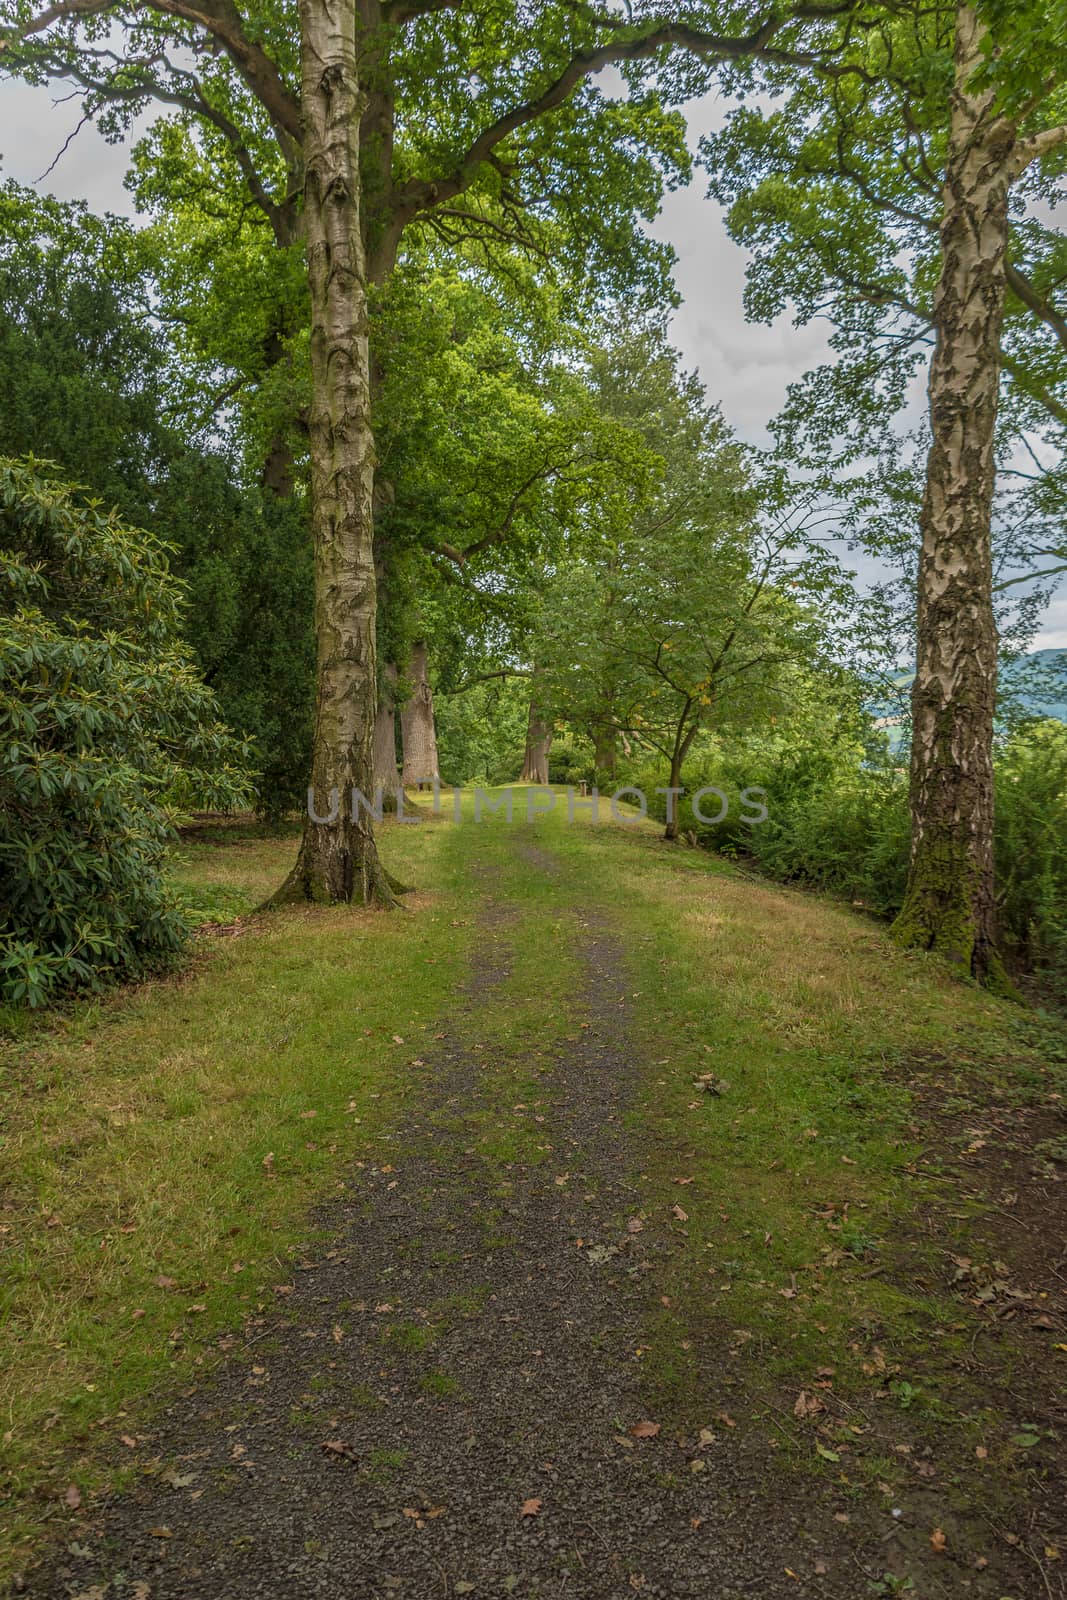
338 859
386 771
948 904
417 723
538 744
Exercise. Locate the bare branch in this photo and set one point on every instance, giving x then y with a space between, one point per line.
1024 290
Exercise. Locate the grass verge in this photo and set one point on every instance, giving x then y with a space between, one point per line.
160 1149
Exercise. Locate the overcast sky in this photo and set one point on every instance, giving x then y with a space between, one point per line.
745 366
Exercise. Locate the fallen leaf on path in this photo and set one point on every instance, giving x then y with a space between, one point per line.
178 1480
938 1540
72 1496
337 1447
645 1430
420 1518
634 1225
807 1405
160 1533
531 1508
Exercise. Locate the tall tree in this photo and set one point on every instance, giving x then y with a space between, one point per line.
514 114
897 196
703 589
949 900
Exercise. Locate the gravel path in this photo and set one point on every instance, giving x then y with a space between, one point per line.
449 1411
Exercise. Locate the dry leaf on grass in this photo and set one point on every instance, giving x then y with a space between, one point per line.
645 1430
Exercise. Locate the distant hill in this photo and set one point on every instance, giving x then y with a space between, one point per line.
1035 685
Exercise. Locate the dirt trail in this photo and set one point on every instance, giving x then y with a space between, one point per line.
449 1410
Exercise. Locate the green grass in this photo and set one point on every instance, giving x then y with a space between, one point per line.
160 1150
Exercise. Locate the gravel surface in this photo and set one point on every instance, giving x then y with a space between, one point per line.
449 1411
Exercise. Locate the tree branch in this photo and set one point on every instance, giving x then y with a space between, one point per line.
1039 144
423 194
220 19
1024 290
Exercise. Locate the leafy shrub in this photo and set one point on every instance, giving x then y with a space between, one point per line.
86 381
570 760
105 729
1031 849
838 821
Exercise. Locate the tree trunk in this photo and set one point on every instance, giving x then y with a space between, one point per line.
386 771
278 475
948 903
338 859
538 744
673 827
605 753
417 724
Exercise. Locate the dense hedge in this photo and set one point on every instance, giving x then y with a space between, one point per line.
105 727
838 821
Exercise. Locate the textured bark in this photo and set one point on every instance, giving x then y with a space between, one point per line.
672 827
948 904
338 859
417 723
605 753
278 475
538 744
386 770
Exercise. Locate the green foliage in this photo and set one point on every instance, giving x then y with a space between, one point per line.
838 820
686 603
835 190
1031 848
105 729
86 382
480 732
